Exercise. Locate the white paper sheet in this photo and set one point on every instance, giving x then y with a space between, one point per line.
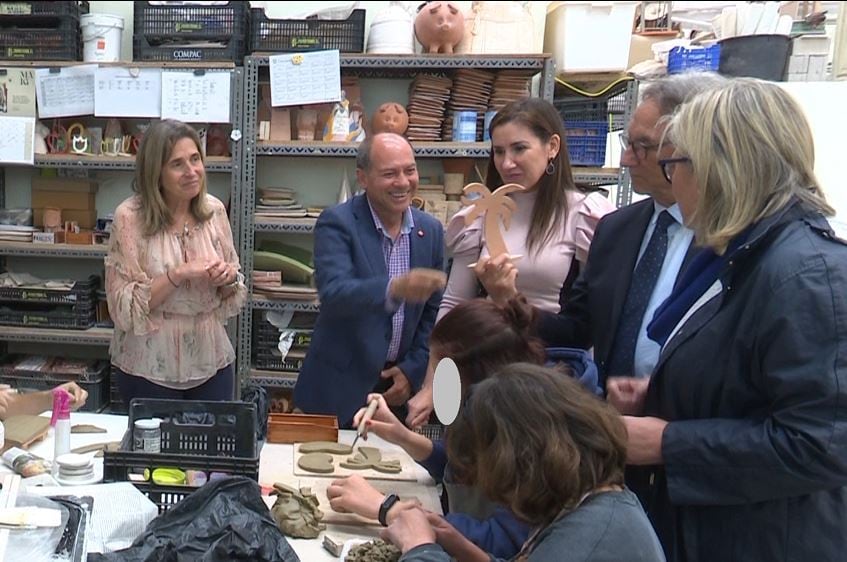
128 92
305 78
196 98
17 137
17 92
65 92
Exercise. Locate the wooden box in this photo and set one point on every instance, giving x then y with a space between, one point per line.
301 428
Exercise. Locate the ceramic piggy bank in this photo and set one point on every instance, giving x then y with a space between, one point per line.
391 117
439 27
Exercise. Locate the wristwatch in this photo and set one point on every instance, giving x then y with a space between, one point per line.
387 504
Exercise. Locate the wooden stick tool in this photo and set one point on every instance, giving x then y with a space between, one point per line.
369 413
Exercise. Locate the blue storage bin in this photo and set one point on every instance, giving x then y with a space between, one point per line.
704 59
586 142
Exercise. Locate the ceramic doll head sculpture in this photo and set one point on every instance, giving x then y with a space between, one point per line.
439 26
390 117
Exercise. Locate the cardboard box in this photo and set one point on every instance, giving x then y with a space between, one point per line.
84 237
63 193
85 218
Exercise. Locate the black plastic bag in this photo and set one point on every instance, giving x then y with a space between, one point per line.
258 395
222 521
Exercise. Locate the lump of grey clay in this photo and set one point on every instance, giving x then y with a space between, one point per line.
375 551
330 447
320 463
296 512
371 457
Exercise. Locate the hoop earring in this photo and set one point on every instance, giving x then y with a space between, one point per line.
550 168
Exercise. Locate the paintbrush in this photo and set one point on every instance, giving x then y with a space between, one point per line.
369 413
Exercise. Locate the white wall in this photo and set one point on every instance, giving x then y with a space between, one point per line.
825 104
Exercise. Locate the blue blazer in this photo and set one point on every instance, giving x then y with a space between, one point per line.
350 342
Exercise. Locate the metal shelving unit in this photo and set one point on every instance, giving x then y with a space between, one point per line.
102 337
91 336
276 379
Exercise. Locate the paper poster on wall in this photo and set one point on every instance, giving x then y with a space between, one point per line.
17 138
305 78
127 92
65 91
196 98
17 92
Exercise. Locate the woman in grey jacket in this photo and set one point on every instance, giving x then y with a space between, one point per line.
743 438
538 442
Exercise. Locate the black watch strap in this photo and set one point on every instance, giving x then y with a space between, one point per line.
387 504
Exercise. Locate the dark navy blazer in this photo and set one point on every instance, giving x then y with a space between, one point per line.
350 342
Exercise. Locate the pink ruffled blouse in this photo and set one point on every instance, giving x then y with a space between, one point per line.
183 342
540 275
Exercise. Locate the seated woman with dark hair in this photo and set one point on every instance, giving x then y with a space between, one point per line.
480 336
539 443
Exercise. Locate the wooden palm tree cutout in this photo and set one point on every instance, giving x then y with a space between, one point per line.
496 207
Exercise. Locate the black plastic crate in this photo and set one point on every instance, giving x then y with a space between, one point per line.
232 50
40 12
582 109
291 35
160 24
223 439
271 360
48 316
97 388
61 43
95 372
267 335
116 401
226 429
83 292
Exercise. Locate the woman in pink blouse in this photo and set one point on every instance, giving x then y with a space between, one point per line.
551 227
172 276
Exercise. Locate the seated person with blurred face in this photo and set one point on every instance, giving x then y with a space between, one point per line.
379 273
480 336
14 404
538 442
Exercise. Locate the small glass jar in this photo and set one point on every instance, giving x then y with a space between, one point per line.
147 435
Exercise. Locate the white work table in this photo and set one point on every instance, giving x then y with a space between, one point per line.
276 465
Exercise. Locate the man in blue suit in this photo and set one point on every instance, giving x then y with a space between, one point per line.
379 272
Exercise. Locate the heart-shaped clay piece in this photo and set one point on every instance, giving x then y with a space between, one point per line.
320 463
330 447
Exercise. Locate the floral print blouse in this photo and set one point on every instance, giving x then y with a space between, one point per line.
183 342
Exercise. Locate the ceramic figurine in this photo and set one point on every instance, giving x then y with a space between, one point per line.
439 26
390 117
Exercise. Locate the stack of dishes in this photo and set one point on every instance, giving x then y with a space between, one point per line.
75 470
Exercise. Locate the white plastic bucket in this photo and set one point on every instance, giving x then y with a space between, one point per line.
101 37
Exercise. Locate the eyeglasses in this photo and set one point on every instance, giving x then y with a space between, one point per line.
668 165
639 148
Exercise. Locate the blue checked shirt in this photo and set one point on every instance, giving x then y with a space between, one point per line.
397 256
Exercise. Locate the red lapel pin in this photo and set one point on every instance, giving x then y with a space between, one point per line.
420 234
